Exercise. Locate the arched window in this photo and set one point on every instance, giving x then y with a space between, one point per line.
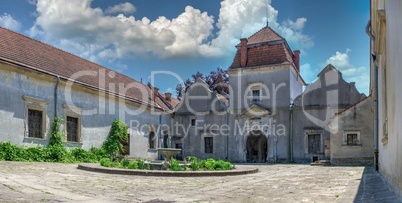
152 140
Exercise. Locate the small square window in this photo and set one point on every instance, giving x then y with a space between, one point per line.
256 95
72 129
193 121
209 145
35 123
352 139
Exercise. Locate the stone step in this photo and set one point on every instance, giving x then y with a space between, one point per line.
321 163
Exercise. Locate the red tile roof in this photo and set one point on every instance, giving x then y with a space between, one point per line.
265 47
32 54
266 34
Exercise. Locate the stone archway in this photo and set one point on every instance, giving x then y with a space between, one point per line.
256 147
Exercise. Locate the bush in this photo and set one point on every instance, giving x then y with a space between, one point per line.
175 165
195 165
35 154
125 162
191 158
105 162
142 165
118 134
133 165
210 164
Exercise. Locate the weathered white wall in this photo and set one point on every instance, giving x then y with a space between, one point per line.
16 83
353 119
390 153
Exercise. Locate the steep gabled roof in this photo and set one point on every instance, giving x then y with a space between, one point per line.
328 68
265 47
266 34
25 52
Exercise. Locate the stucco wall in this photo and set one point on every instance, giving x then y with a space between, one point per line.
17 82
390 152
354 119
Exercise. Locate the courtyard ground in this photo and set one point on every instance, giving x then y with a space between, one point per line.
52 182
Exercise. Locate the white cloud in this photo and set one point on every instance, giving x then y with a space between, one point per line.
87 31
7 21
126 8
350 72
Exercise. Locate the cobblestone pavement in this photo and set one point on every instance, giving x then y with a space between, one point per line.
50 182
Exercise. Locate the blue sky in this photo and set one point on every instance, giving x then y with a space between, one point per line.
136 37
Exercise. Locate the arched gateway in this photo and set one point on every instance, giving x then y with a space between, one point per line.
256 147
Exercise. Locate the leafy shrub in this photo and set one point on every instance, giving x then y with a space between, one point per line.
142 165
125 162
118 134
98 153
210 164
35 154
175 165
133 165
191 158
105 162
195 165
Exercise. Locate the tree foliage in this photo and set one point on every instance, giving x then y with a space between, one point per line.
114 143
217 80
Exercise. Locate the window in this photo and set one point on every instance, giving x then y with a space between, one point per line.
35 118
73 120
208 145
256 95
151 139
193 121
35 123
314 143
72 129
351 138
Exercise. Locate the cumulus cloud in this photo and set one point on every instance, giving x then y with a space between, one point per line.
7 21
126 8
350 72
89 32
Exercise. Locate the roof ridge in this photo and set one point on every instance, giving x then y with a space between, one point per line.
265 27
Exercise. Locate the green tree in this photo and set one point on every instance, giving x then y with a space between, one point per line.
117 135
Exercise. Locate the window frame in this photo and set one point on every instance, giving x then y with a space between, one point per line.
191 122
35 104
153 139
351 132
211 139
74 112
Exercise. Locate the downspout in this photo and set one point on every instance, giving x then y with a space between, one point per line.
291 131
375 92
227 133
56 89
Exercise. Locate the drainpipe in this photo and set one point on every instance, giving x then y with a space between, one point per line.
227 134
56 88
291 131
375 92
376 115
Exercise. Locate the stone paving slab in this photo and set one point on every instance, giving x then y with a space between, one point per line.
53 182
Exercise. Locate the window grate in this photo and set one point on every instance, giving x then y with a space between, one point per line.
209 145
35 123
72 129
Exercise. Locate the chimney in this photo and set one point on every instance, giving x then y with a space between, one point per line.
243 52
156 92
168 96
296 59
